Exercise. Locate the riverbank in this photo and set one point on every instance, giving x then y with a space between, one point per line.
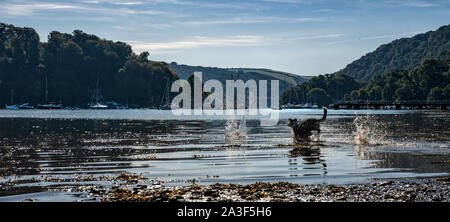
395 190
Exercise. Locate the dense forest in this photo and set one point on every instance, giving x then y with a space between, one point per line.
429 82
401 54
321 90
72 63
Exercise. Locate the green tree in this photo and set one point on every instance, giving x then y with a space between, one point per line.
319 96
436 94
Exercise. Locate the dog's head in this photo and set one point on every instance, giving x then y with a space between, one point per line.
292 122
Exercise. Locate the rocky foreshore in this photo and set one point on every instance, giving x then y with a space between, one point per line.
396 190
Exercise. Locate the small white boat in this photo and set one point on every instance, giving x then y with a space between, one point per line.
50 106
26 106
98 106
96 98
12 107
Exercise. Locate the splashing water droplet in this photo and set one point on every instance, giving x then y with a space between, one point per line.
368 131
236 129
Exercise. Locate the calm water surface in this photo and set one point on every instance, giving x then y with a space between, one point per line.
44 149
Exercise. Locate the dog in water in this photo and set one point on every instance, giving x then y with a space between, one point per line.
302 130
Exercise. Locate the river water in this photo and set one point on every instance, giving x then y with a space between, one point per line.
41 149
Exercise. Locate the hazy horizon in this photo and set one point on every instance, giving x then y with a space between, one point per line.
303 37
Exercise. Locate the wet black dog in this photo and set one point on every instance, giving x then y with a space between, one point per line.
302 130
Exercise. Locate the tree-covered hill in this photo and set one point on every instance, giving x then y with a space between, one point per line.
401 54
287 80
428 82
72 63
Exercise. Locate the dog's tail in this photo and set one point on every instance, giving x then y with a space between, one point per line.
324 117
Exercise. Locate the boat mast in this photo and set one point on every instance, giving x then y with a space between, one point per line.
162 98
12 97
167 92
46 90
96 93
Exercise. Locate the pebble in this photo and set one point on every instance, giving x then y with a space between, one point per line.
384 191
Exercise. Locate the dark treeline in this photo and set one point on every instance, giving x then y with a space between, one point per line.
72 64
321 90
428 82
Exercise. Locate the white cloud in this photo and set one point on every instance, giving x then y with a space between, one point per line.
134 27
113 2
29 9
249 20
283 1
22 9
390 35
325 36
308 37
128 3
420 4
196 42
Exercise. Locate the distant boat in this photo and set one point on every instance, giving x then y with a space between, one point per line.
26 106
96 97
166 97
49 105
98 106
12 107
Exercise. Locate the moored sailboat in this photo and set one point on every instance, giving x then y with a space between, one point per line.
49 105
12 107
166 97
96 97
26 106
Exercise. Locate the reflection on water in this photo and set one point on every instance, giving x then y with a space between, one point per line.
41 150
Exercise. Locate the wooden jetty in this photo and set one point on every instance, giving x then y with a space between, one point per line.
398 105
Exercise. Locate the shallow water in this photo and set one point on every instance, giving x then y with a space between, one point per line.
43 149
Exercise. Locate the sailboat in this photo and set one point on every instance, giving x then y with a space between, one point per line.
166 97
97 104
12 107
48 105
26 106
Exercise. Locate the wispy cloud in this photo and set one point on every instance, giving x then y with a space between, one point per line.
29 9
324 36
390 35
196 42
420 4
139 27
284 1
113 2
252 20
128 3
309 37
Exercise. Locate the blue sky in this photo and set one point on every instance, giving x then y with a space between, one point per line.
307 37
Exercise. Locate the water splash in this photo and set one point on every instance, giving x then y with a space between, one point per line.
369 131
236 129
